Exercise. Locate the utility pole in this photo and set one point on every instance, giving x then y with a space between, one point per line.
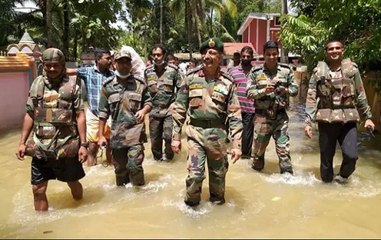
49 23
161 21
284 52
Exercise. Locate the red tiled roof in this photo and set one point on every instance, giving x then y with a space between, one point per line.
230 48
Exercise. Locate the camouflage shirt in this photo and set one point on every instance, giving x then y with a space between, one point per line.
260 77
121 99
162 88
214 101
336 95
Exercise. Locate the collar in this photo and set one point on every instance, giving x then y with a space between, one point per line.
96 68
271 71
217 75
107 73
164 67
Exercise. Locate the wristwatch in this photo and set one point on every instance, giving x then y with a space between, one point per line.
85 144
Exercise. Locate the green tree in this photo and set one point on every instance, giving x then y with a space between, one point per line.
9 29
72 25
356 23
245 7
220 19
204 18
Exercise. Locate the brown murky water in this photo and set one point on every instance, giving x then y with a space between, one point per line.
258 205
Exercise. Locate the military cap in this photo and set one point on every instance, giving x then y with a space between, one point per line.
214 43
122 53
53 55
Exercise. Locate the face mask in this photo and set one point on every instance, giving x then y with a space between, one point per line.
117 73
246 62
158 64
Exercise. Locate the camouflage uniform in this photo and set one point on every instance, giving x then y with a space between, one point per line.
334 100
162 91
213 110
55 142
271 118
121 100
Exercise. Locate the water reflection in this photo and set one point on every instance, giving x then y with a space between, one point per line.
258 205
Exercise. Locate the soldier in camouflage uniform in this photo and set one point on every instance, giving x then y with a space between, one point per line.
270 86
55 113
162 79
209 99
124 97
335 97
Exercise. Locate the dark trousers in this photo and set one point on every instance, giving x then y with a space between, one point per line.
128 165
346 136
247 133
160 129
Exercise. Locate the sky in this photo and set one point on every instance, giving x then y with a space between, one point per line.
26 7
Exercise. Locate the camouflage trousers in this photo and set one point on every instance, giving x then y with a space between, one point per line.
206 146
128 165
160 129
264 128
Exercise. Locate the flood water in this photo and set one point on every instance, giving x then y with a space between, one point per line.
258 205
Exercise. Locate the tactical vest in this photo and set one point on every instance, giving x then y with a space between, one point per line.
337 98
54 120
124 103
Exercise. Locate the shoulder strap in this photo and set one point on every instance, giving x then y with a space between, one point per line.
348 68
193 70
108 80
285 66
256 69
37 89
322 70
36 92
227 76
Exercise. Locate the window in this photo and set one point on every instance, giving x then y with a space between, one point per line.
276 21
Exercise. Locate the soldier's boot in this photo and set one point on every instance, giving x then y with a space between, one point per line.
121 180
156 158
287 169
156 148
191 203
258 163
168 153
341 180
193 192
168 157
285 166
137 176
214 198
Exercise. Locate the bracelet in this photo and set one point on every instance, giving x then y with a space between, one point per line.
85 144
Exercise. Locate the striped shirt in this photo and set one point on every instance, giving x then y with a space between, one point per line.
240 78
93 79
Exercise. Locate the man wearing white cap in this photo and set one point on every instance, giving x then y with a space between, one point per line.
124 97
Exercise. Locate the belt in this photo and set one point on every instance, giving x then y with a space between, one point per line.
264 111
207 123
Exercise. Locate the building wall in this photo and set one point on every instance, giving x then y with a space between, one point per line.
256 33
262 35
16 75
14 93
